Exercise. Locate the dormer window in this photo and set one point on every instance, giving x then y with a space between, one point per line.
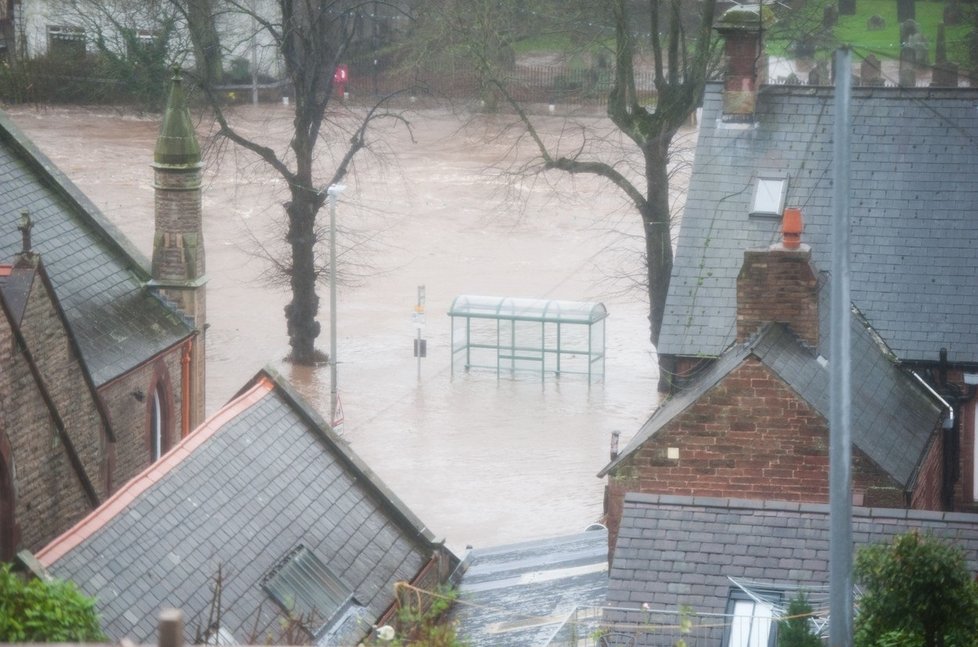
769 195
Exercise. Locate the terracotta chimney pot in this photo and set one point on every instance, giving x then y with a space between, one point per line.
791 226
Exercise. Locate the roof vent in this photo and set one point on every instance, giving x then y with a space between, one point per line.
791 226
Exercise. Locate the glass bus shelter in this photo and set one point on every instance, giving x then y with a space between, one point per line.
510 335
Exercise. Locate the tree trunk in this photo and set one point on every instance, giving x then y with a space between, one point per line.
300 314
206 42
656 223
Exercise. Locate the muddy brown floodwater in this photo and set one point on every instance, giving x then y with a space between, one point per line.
481 460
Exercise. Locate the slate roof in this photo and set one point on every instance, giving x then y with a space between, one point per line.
675 550
914 185
98 276
893 415
518 595
260 477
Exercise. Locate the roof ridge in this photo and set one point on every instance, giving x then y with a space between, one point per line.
148 477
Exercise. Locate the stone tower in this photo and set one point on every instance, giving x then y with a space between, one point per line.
178 242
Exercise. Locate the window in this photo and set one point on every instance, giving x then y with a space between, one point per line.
157 425
769 194
66 43
974 457
308 590
752 622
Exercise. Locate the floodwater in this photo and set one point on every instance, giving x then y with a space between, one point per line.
481 460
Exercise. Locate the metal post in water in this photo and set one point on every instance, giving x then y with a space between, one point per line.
840 393
332 192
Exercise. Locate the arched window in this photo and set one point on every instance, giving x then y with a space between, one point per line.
159 413
157 424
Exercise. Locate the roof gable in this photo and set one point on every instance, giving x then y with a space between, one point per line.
893 416
98 276
914 187
241 492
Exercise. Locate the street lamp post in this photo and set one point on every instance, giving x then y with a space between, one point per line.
332 193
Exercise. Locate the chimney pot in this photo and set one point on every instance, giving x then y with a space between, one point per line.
791 226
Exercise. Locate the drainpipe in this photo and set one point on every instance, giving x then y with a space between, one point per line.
185 391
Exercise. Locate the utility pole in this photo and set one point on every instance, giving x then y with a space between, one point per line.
332 193
840 392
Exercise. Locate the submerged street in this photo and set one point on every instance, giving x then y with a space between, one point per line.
481 460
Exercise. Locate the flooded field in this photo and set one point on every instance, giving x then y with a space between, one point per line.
481 460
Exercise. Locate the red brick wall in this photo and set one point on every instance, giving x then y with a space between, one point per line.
128 400
748 437
778 285
930 478
964 497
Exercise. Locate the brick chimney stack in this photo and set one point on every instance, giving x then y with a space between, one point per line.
778 284
743 28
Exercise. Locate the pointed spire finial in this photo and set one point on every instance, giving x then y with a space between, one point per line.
25 227
177 144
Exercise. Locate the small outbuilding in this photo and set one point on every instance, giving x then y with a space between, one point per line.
510 334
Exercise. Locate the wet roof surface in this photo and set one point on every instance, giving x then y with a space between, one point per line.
98 278
520 594
240 493
914 196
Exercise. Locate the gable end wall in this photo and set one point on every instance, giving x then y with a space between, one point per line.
749 437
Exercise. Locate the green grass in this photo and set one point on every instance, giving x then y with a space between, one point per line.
851 30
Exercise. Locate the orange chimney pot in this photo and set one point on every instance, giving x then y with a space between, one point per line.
791 226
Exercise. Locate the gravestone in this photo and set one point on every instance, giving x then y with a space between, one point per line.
875 23
908 70
847 7
905 10
805 47
907 29
944 75
952 13
940 54
921 49
870 71
830 16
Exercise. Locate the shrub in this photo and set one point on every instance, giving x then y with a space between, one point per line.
916 591
45 611
796 629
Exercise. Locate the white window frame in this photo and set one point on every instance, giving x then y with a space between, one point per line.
769 196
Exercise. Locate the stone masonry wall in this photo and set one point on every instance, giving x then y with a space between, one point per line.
49 497
63 375
749 437
128 400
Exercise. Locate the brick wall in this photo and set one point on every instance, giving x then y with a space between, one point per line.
128 399
178 248
964 491
930 478
749 437
778 285
57 358
49 497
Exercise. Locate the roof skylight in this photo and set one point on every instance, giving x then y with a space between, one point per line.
769 195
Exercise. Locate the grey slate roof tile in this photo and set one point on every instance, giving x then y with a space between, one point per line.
914 190
800 535
893 417
203 513
98 277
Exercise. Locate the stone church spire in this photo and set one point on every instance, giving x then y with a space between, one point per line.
178 242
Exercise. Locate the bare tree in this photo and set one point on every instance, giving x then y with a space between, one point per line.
681 66
312 37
